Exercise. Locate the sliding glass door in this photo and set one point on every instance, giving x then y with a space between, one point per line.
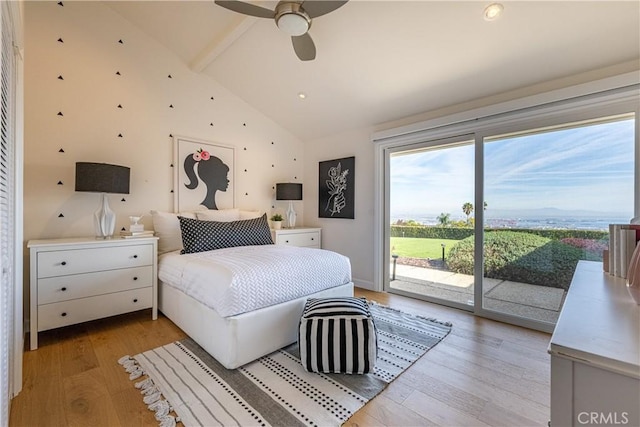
551 195
431 195
495 221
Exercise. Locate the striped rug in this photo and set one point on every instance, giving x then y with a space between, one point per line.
181 382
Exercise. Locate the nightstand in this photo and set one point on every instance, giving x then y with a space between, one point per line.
80 279
305 237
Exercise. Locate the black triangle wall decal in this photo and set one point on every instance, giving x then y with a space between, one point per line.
123 229
61 151
120 41
60 78
119 135
118 73
60 216
60 40
123 200
60 183
60 3
60 113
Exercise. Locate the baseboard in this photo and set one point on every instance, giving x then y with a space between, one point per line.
365 284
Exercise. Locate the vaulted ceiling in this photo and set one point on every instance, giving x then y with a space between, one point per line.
380 61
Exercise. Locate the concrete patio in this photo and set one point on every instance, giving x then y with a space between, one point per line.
519 299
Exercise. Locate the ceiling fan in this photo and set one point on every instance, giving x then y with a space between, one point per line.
292 17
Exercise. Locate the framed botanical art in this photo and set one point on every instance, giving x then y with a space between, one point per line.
337 188
203 174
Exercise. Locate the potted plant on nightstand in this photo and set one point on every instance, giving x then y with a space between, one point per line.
276 221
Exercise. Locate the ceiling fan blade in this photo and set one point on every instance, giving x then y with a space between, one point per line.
315 8
304 47
246 8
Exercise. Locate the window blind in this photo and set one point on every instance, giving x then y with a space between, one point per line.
7 209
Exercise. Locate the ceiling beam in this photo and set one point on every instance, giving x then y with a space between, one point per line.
219 44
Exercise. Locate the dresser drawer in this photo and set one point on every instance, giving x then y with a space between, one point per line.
308 239
79 310
63 288
75 261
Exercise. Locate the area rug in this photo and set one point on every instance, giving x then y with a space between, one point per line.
182 383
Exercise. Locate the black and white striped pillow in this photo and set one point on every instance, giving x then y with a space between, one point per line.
337 335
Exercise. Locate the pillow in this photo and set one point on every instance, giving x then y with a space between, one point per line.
167 228
250 214
200 236
222 215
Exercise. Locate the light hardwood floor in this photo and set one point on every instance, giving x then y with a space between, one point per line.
482 373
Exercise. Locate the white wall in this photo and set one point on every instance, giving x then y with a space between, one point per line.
350 237
88 95
355 238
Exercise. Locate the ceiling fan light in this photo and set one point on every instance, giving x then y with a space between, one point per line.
493 11
293 24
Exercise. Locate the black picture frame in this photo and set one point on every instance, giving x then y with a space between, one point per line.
336 189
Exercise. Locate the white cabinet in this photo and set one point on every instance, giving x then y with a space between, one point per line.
82 279
304 237
595 353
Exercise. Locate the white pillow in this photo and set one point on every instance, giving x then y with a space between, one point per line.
167 228
220 215
250 214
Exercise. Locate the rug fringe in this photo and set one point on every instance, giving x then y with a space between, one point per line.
152 395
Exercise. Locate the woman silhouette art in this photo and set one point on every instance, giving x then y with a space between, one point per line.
211 171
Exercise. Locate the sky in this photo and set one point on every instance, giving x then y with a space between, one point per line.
588 168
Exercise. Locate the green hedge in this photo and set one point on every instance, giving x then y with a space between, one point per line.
519 257
457 233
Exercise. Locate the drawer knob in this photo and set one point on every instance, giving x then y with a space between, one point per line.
135 256
63 263
135 278
135 300
63 289
63 314
286 241
312 238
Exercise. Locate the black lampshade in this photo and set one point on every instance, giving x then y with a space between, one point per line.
102 178
289 191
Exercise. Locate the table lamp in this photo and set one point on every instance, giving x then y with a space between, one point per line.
103 178
289 191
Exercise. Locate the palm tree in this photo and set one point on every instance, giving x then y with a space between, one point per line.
444 219
467 208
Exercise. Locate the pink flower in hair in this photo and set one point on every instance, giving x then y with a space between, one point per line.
197 157
204 155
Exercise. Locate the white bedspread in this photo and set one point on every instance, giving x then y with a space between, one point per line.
237 280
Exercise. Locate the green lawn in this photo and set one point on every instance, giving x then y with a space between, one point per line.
414 247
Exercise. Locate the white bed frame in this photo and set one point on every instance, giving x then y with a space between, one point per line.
237 340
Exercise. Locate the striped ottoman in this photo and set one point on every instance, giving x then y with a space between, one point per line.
337 335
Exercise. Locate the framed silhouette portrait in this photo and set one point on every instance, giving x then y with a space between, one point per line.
203 175
336 188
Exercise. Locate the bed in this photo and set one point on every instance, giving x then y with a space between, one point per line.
241 302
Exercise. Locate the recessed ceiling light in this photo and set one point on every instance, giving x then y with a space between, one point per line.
302 95
493 11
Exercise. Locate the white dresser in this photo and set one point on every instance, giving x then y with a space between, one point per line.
305 237
595 353
80 279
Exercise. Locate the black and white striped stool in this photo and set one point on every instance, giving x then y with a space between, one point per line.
337 335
